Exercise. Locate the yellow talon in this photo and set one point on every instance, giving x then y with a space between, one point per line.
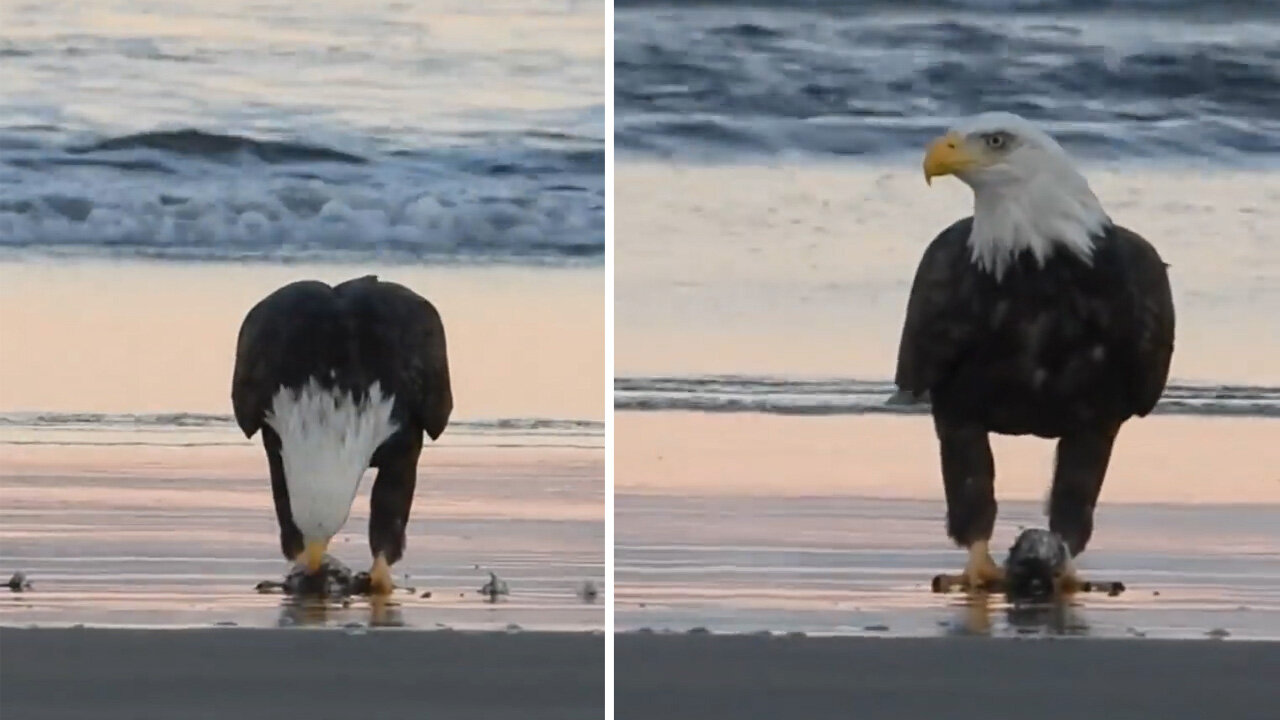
980 574
380 577
313 555
981 571
1069 581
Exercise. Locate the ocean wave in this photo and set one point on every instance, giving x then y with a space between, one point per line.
1265 7
212 145
186 420
527 198
730 79
192 430
841 396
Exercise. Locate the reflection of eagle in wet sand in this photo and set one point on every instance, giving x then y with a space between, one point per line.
340 379
1037 315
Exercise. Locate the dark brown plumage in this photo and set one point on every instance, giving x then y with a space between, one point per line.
345 338
1068 350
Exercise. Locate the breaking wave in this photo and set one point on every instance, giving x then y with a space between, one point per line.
182 429
784 396
194 195
1110 78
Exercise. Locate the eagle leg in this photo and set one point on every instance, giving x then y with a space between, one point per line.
291 541
968 477
390 503
1080 466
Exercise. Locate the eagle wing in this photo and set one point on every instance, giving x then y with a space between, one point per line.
408 330
1150 338
939 327
265 335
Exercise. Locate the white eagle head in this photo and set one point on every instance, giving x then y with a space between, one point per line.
1027 193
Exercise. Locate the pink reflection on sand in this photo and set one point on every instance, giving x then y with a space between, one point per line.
1157 459
139 337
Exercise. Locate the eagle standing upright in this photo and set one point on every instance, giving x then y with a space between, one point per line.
340 379
1036 315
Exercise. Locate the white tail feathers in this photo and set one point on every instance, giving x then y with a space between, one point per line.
327 440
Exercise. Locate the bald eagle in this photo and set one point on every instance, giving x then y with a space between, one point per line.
1036 315
340 379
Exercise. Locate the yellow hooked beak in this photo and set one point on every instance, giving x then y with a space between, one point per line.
947 155
313 555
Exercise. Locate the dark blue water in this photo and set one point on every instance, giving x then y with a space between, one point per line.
848 396
1112 79
439 131
181 429
191 194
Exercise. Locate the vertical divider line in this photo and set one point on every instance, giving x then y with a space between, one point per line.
609 215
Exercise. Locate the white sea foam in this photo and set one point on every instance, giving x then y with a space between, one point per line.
338 136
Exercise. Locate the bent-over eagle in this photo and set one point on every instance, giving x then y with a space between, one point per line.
340 379
1036 315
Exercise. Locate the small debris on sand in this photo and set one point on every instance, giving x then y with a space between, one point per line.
588 592
876 628
514 628
495 588
426 594
19 582
1218 634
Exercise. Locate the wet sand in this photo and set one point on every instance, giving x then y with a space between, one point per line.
107 674
834 525
708 677
179 536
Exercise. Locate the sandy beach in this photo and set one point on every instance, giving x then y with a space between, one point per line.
129 497
219 673
742 522
813 262
705 676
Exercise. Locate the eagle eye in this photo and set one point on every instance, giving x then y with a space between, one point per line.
996 140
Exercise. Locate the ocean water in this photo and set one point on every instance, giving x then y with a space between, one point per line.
439 131
770 217
1110 78
737 393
